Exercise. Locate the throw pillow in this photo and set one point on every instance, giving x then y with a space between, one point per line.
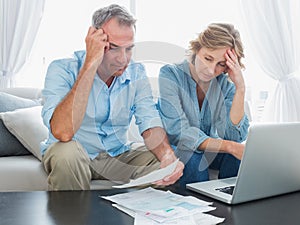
27 126
9 144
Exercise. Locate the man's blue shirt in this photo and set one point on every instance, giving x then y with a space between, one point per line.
109 110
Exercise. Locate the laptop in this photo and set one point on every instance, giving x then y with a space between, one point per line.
270 166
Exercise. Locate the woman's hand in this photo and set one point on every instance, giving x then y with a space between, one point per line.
235 74
234 69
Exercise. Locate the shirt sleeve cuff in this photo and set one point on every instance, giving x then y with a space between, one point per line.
147 124
199 142
238 126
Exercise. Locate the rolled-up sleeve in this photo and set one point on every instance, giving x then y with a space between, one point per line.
145 110
57 84
235 132
239 131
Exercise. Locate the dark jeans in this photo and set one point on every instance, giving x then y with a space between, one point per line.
197 164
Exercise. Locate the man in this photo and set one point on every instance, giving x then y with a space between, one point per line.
89 102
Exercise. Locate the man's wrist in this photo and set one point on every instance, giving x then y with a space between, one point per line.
168 155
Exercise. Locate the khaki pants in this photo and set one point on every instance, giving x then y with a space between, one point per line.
69 167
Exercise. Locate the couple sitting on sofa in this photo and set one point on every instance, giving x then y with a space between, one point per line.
90 101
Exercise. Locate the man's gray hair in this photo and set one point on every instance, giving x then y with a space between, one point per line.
103 15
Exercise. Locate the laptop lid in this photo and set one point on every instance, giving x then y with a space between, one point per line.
269 167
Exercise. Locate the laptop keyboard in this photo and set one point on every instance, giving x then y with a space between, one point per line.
227 190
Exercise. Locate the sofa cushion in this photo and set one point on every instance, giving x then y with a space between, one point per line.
26 173
27 125
22 173
9 144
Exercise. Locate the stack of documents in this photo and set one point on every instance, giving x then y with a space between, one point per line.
150 207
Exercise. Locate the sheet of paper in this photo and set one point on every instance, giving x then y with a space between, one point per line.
142 220
207 219
151 177
160 205
196 219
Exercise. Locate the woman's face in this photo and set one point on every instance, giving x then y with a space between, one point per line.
210 63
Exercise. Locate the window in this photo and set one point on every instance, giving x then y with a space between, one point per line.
62 31
65 24
179 22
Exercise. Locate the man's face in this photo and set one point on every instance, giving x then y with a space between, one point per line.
121 43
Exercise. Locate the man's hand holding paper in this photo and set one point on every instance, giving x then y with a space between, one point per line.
157 177
166 160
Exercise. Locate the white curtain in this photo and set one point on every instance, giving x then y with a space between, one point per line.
274 32
19 22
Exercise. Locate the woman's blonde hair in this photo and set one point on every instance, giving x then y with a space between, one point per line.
218 35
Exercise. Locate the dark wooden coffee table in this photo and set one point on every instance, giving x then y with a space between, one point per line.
87 208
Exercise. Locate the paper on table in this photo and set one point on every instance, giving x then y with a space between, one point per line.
142 220
159 205
193 215
195 219
151 177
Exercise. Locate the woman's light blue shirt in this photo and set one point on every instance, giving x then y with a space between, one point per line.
187 126
109 110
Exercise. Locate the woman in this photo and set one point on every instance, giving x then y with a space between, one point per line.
202 104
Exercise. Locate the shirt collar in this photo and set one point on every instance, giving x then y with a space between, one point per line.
186 67
125 76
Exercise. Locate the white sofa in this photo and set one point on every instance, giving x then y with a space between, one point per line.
26 173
